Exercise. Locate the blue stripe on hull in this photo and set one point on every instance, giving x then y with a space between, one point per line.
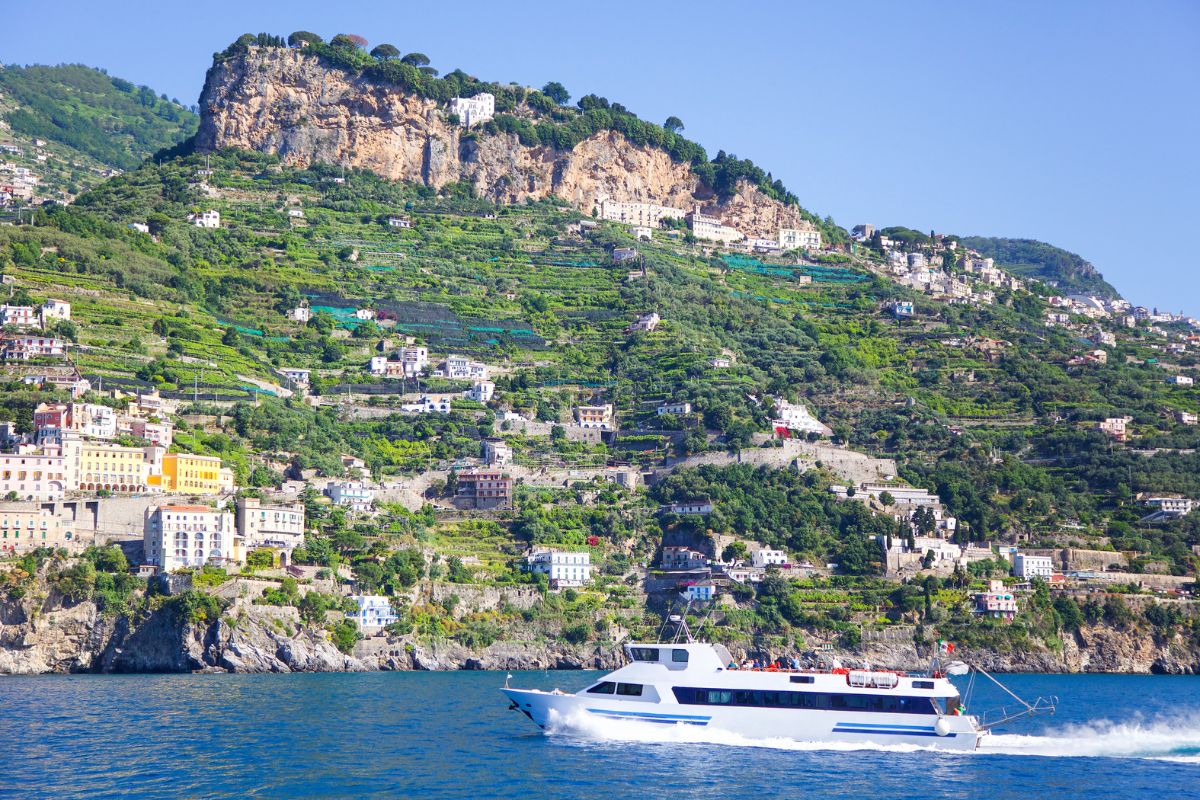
647 716
884 726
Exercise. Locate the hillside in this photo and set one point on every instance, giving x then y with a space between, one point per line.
104 118
989 398
1030 258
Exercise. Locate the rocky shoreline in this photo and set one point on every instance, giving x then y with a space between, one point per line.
47 634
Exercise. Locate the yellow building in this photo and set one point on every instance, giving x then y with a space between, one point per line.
185 473
100 465
25 528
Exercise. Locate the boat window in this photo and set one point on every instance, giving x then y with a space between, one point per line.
630 689
604 687
679 656
922 684
803 679
809 700
643 653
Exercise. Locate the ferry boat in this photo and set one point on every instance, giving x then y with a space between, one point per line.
699 684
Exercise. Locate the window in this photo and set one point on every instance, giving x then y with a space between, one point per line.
644 653
922 684
679 656
629 689
604 687
807 700
803 679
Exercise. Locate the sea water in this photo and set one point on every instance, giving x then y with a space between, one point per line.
451 735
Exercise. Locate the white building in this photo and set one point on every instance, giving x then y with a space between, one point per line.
365 314
646 322
563 569
796 417
429 404
1172 507
140 227
57 310
416 359
711 229
679 409
473 110
190 536
1180 380
497 453
641 215
18 316
399 222
1026 566
700 592
799 239
481 392
354 495
643 233
902 308
206 219
295 376
300 314
766 557
374 612
458 367
701 507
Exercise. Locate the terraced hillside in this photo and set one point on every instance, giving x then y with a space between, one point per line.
979 403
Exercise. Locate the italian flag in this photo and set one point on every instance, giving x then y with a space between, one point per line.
945 647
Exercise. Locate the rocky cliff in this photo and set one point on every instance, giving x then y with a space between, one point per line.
45 633
285 102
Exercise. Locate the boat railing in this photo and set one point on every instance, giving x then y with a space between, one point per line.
999 716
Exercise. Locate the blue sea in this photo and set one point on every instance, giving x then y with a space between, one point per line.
450 735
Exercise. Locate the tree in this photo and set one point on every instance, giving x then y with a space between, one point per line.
735 551
385 52
673 124
303 38
557 92
886 498
349 41
416 60
592 102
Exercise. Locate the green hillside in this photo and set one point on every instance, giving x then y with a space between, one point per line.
104 118
1030 258
1003 430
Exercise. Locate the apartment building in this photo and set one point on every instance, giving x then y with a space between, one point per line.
179 536
280 527
186 473
484 490
24 528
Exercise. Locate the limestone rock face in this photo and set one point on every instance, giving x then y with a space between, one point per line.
285 102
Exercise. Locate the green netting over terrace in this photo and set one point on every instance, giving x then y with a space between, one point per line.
435 323
818 274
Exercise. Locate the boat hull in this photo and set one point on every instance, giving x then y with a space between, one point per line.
547 709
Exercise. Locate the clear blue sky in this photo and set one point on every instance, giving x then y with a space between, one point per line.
1074 122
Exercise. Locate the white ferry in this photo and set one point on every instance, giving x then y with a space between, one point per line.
698 684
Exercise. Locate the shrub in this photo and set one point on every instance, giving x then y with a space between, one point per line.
344 635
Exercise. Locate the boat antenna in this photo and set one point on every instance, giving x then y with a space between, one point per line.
666 620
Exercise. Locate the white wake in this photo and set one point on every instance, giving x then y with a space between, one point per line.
1176 739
